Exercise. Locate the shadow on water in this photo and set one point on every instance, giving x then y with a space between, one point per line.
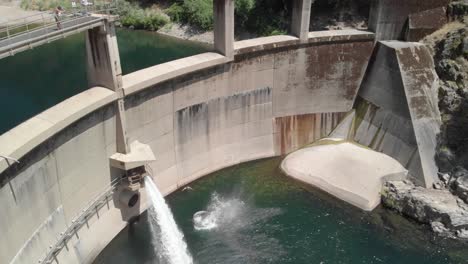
37 79
261 216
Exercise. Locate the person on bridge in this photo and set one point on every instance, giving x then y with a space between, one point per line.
57 13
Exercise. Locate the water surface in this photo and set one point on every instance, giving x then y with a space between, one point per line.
35 80
265 217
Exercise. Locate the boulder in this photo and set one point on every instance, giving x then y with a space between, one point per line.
444 212
460 188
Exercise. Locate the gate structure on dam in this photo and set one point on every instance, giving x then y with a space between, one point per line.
77 182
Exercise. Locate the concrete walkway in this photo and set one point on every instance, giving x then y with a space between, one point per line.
346 170
37 37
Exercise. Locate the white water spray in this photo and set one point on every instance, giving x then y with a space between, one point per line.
166 237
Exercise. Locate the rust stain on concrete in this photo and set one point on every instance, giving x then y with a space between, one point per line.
294 132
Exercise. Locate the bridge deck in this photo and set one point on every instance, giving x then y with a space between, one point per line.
33 38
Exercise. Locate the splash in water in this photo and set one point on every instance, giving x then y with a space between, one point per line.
167 239
219 211
228 222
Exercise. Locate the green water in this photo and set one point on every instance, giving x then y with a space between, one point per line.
34 80
273 219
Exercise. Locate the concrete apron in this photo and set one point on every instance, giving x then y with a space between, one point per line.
346 170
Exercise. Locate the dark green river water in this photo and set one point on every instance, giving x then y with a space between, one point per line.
266 217
32 81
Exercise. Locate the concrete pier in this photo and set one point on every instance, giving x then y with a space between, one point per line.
103 60
301 18
103 69
224 27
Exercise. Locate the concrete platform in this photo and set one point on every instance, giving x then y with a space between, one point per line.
348 171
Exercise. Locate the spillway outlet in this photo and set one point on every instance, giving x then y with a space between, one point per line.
129 198
134 178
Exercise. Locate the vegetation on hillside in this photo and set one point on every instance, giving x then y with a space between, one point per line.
263 17
256 17
450 50
132 15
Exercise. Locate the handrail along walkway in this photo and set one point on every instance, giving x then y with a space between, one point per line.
25 33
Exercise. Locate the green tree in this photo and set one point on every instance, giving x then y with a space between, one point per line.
199 13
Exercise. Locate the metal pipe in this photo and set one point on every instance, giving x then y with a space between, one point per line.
9 158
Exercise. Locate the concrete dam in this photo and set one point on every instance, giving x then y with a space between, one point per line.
77 179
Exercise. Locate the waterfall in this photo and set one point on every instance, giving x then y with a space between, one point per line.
167 239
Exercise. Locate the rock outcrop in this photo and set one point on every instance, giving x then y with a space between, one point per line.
450 52
458 183
445 206
444 212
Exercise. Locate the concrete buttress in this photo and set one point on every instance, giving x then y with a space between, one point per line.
103 69
224 27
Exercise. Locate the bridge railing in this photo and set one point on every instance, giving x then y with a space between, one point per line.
45 20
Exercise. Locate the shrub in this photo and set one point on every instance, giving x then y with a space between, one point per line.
243 11
199 13
45 5
139 18
176 12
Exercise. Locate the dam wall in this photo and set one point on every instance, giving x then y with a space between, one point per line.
396 112
406 19
198 114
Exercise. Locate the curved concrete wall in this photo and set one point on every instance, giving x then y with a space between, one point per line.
198 114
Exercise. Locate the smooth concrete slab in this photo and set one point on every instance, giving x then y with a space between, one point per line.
347 171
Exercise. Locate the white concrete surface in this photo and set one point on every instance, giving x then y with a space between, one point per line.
347 171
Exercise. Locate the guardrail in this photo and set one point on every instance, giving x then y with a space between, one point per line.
92 209
30 27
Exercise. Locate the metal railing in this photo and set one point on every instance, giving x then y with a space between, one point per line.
29 26
91 209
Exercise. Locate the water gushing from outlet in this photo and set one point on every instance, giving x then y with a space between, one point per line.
167 239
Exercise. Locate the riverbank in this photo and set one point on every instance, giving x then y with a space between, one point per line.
187 32
445 213
11 11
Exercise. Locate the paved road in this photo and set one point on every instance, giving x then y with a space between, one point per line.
50 31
